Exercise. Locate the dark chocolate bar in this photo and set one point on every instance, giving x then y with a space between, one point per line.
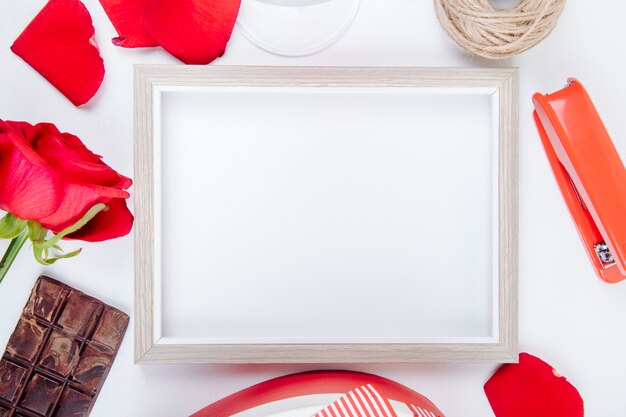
59 354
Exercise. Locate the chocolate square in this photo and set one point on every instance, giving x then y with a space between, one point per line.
80 314
11 377
61 353
41 394
26 340
4 412
74 404
45 299
111 328
93 366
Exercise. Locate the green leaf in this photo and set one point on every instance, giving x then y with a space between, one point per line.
41 255
41 246
11 226
36 232
69 255
91 213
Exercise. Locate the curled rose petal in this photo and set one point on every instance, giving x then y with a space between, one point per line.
58 43
124 182
21 128
77 199
194 31
69 157
62 145
532 388
29 188
125 15
117 221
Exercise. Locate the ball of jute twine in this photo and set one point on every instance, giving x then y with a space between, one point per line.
478 27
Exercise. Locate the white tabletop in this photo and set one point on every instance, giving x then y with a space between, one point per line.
567 315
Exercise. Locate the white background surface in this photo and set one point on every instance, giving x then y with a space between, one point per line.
567 316
331 215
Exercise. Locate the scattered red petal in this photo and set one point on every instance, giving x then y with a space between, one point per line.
532 388
194 31
125 15
59 44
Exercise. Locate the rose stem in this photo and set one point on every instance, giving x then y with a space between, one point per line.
11 253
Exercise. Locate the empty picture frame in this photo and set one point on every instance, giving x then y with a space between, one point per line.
325 215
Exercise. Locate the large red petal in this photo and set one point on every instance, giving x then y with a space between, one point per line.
77 199
194 31
117 221
72 160
59 44
48 140
23 129
532 388
29 187
125 15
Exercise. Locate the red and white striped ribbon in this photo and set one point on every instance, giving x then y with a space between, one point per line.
420 412
364 401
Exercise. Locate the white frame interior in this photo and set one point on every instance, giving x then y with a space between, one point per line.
150 343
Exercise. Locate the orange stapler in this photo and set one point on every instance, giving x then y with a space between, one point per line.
589 172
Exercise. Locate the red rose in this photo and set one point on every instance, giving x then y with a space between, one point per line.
52 178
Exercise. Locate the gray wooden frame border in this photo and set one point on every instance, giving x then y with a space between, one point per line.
505 80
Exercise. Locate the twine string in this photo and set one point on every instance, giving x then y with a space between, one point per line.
478 27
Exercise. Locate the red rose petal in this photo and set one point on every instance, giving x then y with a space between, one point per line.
72 160
48 140
77 199
532 388
117 221
194 31
59 44
21 128
124 182
125 15
29 187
